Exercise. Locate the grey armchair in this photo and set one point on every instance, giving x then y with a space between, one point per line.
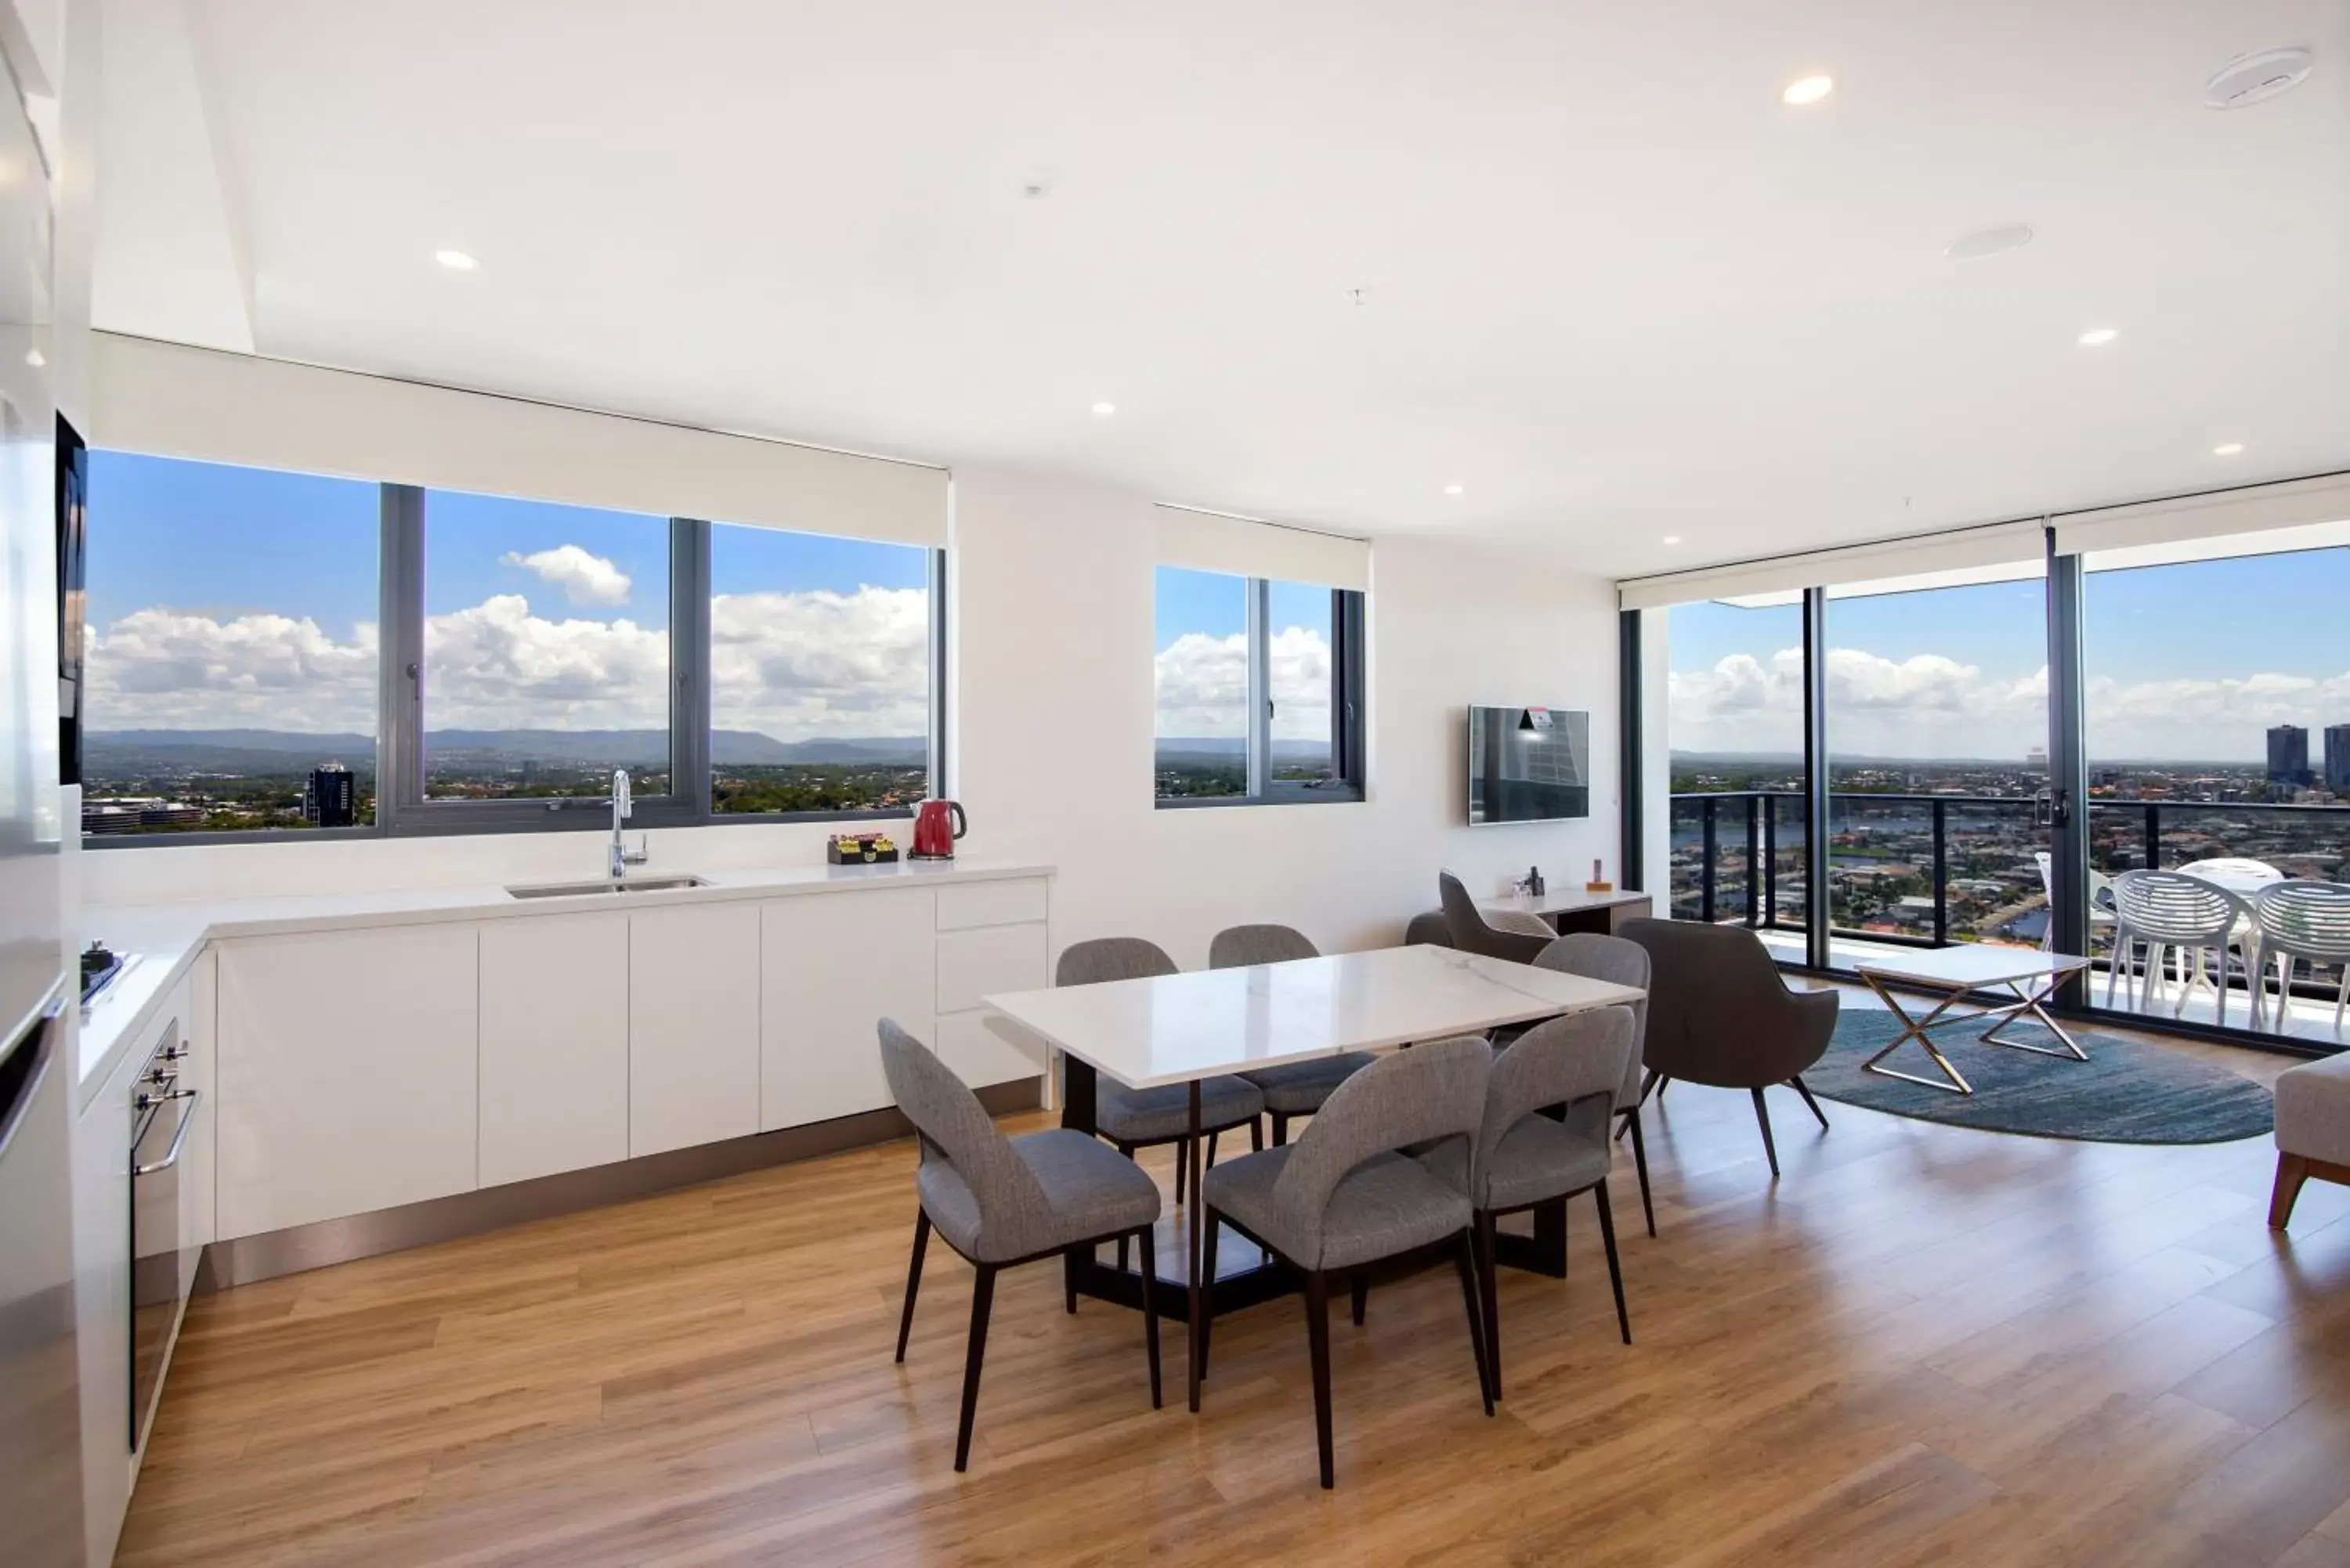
1719 1014
1299 1088
1500 938
1341 1197
1524 1157
1620 962
1002 1201
1140 1118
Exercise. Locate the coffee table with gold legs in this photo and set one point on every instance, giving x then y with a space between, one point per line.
2030 976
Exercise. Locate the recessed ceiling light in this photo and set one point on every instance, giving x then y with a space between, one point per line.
2228 449
32 357
1989 242
1105 409
2258 77
1672 539
2098 337
1807 90
455 261
1453 489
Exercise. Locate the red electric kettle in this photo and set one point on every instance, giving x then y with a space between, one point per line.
933 836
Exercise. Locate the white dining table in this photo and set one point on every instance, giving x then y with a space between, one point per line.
2240 875
1182 1028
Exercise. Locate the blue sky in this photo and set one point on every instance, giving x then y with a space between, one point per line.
1217 605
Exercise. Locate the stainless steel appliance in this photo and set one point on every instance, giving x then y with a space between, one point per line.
40 1426
162 1270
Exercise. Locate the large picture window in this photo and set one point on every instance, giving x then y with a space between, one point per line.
1258 687
273 654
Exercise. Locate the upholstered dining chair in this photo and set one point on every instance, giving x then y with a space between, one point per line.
1003 1202
1505 934
1142 1118
1299 1088
1342 1196
1619 962
1523 1158
1719 1014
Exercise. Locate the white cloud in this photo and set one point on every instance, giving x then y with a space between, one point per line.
586 580
794 666
1202 685
1932 706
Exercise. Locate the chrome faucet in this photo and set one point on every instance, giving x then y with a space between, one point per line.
622 855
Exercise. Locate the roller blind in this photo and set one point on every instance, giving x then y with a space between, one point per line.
2296 503
1960 551
1214 542
173 400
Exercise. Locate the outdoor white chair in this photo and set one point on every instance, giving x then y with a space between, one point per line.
2167 910
2297 921
2101 901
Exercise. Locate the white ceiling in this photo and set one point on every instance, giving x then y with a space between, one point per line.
1612 285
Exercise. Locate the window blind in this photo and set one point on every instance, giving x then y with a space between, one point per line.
1215 542
1923 556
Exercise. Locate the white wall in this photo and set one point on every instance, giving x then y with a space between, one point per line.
1051 740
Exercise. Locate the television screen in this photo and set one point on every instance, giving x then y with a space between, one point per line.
1528 765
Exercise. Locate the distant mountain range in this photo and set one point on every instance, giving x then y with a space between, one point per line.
1232 748
246 751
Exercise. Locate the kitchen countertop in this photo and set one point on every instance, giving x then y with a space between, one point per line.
165 939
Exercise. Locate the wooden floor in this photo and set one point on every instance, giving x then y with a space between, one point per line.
1925 1344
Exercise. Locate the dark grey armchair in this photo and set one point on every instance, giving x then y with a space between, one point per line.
1299 1088
1001 1201
1719 1014
1500 936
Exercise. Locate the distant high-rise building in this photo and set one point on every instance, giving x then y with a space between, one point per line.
2036 759
331 798
2288 755
2337 758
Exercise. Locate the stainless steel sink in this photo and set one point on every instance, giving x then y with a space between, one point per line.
604 884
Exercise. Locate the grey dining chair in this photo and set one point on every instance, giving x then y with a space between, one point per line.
1342 1196
1524 1157
1002 1201
1719 1014
1504 934
1299 1088
1142 1118
1619 962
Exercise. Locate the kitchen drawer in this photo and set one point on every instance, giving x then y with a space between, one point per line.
969 905
980 1056
973 963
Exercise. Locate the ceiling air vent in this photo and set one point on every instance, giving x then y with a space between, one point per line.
2255 78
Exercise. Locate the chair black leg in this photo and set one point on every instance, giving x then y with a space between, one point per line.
913 1277
1763 1114
1280 1129
1126 1149
982 1296
1805 1090
1615 1269
1317 1339
1464 1257
1207 1297
1069 1278
1640 1164
1183 1163
1212 1149
1256 1136
1150 1305
1360 1288
1488 1286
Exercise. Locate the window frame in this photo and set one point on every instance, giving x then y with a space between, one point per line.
402 810
1348 709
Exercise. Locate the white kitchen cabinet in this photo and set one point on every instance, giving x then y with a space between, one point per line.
693 1025
983 958
830 969
555 1044
1012 901
979 1055
347 1072
196 1009
974 965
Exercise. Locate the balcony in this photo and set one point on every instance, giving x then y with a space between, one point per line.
1928 870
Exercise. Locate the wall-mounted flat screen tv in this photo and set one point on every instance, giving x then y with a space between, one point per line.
1528 765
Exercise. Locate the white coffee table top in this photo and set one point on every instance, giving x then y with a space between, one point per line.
1970 964
1179 1027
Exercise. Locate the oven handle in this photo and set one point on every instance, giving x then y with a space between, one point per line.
172 1155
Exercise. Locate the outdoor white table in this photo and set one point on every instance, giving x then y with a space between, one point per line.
2032 975
1181 1028
2239 874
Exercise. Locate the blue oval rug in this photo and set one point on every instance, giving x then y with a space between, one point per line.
2127 1092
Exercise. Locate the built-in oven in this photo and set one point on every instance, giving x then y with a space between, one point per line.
162 1270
